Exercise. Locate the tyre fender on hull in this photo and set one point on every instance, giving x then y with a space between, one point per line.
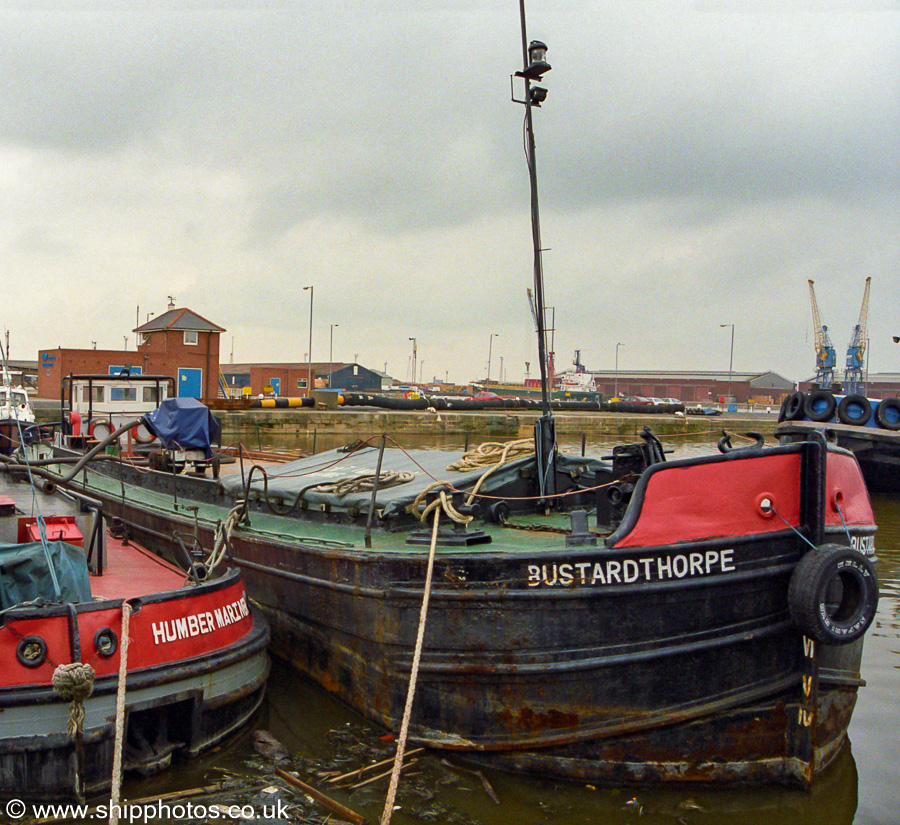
820 406
854 409
793 407
887 414
833 594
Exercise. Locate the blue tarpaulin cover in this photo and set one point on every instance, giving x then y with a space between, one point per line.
183 423
24 575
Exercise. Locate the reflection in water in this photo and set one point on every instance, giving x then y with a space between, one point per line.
303 717
321 734
324 735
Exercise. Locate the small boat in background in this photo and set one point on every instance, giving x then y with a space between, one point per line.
17 420
195 650
94 405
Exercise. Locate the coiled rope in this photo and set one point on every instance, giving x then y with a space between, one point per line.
362 483
492 453
74 683
441 502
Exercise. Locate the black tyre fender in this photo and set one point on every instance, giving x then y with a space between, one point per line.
854 409
782 410
887 414
820 406
833 594
795 406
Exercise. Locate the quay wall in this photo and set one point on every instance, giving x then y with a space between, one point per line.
355 423
325 428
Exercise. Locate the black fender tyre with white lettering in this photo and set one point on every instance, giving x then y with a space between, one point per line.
833 594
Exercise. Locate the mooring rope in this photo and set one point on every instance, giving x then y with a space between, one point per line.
116 789
362 483
74 683
223 536
441 502
413 676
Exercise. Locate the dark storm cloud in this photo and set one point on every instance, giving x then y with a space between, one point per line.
692 159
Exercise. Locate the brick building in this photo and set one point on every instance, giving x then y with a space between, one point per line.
179 343
695 387
877 385
289 380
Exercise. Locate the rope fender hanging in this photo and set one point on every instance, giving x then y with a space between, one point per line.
74 683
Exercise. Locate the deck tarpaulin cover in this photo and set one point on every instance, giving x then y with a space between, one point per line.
25 576
313 478
183 423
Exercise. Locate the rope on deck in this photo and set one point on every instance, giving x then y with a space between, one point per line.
413 677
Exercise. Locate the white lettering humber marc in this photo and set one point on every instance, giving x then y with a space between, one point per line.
628 571
197 624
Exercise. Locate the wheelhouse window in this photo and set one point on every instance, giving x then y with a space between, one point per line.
190 337
88 397
123 394
150 395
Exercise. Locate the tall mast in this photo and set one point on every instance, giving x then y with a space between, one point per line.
534 66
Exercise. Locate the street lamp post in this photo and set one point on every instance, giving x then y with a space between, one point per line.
730 360
309 363
331 355
616 390
413 371
490 355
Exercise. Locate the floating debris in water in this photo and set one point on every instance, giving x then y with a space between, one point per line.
269 747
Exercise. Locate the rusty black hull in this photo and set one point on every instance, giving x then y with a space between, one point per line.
532 663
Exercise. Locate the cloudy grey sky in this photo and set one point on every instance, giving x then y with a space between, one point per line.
699 160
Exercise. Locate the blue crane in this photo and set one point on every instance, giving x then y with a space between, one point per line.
856 350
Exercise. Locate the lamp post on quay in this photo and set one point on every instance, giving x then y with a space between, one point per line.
490 355
616 390
730 360
331 355
309 381
413 372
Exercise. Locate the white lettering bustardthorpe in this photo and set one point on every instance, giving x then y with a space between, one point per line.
863 544
629 571
197 624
